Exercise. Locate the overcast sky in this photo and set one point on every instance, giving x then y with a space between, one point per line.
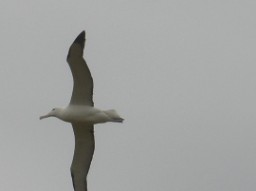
181 73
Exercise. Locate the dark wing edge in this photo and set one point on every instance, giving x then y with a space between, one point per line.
80 39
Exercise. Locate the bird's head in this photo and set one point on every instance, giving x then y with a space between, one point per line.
55 112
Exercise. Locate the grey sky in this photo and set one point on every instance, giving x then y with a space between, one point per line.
181 73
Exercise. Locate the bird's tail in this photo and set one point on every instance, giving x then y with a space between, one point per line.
113 115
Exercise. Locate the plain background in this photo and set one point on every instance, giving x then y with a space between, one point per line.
181 73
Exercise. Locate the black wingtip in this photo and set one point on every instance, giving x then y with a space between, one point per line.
80 39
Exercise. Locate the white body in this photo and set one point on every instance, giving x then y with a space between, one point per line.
84 114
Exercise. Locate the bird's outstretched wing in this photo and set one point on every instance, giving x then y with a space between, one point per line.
82 95
84 149
83 83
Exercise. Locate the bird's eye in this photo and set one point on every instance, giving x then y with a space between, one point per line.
53 109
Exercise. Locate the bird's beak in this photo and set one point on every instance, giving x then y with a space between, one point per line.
44 116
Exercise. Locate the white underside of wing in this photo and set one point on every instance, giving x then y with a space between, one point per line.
83 82
83 154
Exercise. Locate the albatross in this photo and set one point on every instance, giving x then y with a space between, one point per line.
82 114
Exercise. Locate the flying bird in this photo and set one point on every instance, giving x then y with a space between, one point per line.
82 114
